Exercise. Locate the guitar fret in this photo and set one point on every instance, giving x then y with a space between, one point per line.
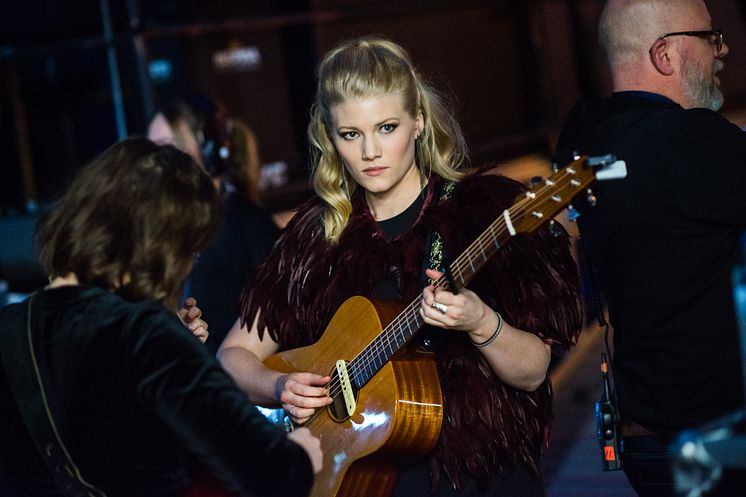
481 249
494 236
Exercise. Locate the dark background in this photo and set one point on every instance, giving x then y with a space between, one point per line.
514 68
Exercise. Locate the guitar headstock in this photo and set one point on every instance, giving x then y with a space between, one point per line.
546 199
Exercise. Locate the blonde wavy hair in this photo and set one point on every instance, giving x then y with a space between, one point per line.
368 67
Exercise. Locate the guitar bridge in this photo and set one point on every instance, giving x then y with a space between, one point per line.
348 394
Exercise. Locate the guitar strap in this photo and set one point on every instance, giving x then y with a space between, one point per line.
22 369
430 337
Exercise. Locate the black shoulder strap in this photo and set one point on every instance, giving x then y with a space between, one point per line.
434 259
25 379
430 337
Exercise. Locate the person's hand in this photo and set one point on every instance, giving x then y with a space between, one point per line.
191 316
301 393
444 309
312 446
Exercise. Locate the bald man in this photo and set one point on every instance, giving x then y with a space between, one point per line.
663 241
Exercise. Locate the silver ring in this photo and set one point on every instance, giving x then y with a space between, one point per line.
440 307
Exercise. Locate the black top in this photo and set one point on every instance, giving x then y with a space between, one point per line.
223 268
398 224
130 390
393 227
663 241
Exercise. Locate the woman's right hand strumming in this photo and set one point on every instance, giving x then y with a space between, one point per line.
301 394
242 354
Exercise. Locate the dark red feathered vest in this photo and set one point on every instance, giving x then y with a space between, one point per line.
533 282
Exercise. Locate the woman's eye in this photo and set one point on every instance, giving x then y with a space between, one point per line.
388 128
348 135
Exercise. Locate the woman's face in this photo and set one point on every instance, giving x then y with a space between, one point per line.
375 138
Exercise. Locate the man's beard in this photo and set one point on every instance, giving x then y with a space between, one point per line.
699 85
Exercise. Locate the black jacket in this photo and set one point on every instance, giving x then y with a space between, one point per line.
133 393
664 241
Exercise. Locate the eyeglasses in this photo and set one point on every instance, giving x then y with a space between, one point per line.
715 35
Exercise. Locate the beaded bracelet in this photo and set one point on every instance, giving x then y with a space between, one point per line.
494 335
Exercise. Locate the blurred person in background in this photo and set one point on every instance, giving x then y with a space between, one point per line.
229 151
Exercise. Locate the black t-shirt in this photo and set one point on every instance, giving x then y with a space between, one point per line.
392 228
663 241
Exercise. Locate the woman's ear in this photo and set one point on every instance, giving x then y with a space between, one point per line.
659 56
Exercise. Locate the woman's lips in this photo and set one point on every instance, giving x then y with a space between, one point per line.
374 171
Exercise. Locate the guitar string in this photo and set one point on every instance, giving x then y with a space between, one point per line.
486 240
389 335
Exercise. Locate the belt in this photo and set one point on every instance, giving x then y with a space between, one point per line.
632 429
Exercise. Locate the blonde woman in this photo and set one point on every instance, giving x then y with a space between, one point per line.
385 147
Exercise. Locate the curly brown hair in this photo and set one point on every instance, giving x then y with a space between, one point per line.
131 221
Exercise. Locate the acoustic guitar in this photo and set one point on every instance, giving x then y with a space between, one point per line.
387 404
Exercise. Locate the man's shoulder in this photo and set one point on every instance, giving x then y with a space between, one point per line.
707 118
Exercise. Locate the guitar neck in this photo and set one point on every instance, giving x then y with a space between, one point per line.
401 330
531 210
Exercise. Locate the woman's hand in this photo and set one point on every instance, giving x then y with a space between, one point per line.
463 311
301 394
191 316
517 357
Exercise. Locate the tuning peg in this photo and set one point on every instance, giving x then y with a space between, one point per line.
572 213
591 197
575 155
554 228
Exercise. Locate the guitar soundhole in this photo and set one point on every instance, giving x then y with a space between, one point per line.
338 409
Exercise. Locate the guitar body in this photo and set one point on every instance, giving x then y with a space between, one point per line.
398 412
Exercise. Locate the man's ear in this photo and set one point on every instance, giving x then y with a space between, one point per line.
659 56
